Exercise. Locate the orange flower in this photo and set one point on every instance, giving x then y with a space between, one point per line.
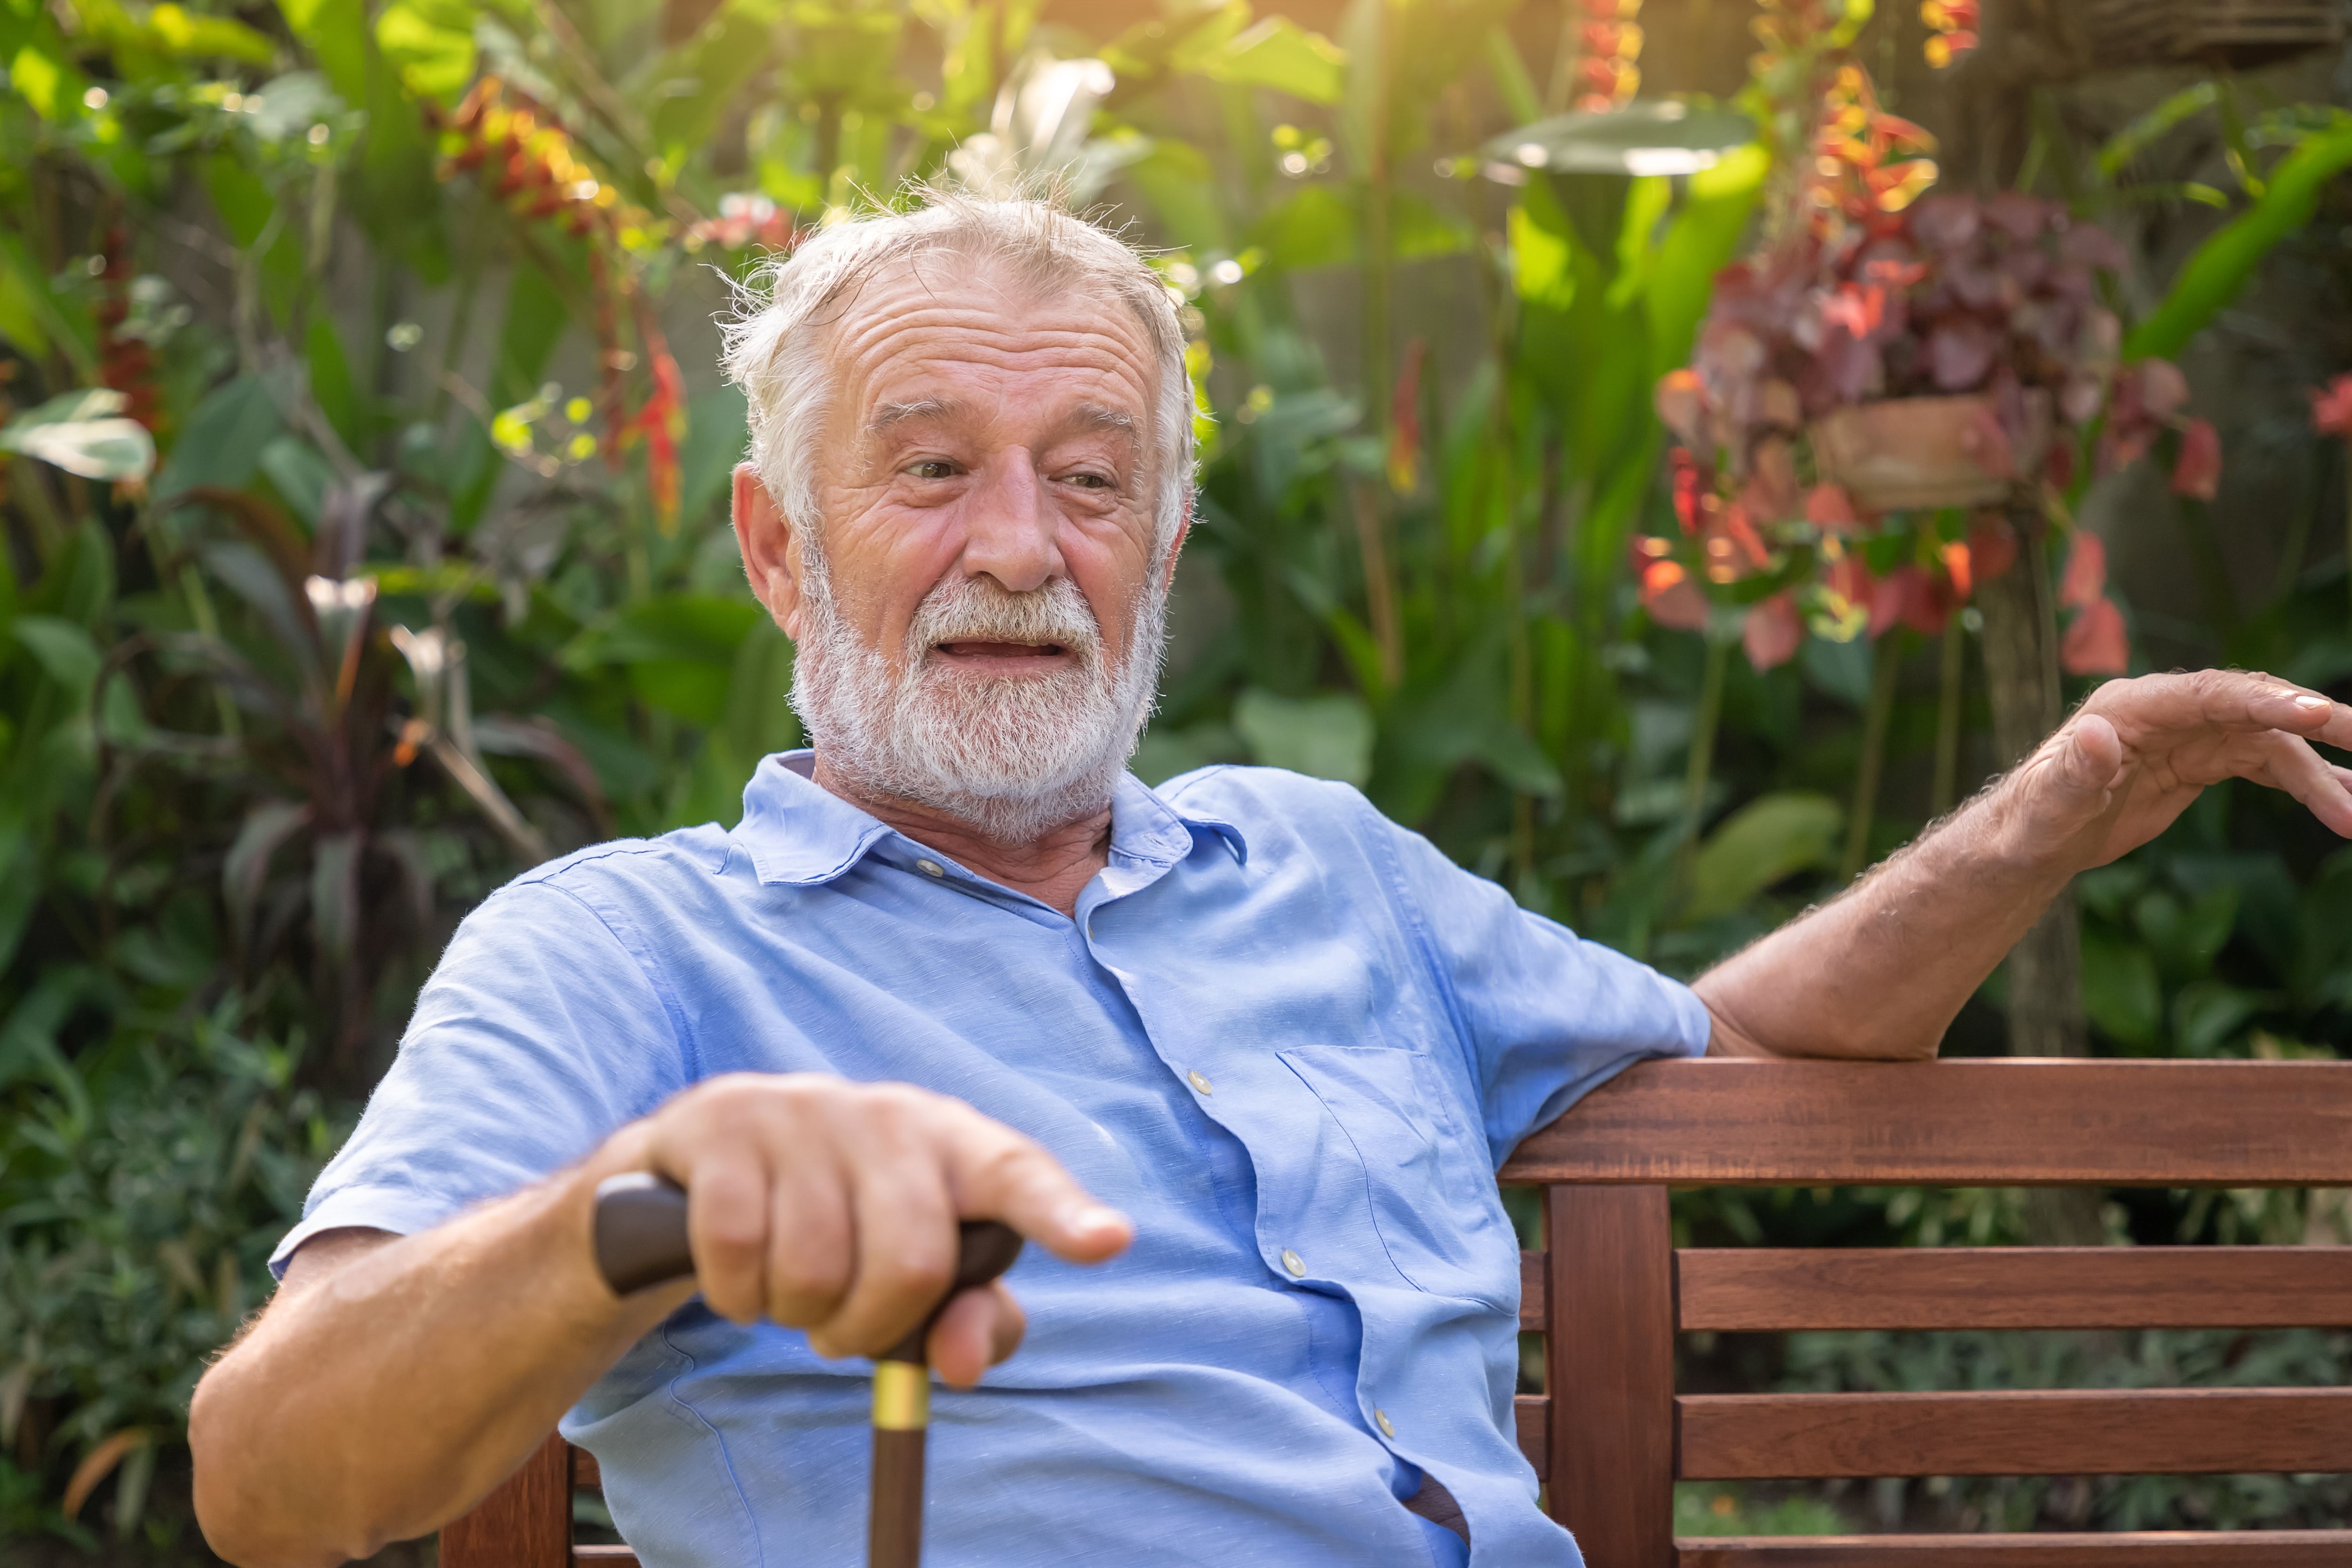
1672 598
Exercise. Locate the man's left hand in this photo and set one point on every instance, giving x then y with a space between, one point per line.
2132 758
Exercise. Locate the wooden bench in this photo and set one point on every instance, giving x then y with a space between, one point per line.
1609 1291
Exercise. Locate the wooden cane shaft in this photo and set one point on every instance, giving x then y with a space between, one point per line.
894 1531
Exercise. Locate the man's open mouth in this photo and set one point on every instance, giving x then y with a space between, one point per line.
974 648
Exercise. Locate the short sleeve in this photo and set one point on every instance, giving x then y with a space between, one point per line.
539 1033
1547 1015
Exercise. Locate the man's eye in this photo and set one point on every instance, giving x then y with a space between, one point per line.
1090 481
933 469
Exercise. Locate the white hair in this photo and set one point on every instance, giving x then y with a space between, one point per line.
775 346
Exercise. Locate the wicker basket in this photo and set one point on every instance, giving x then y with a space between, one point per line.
2234 33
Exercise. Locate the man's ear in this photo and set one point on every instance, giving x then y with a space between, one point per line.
1176 545
771 546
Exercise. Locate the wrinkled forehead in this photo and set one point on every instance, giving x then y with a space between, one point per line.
914 318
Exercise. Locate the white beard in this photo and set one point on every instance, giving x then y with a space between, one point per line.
1013 755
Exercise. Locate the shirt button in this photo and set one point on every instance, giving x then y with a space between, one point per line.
1387 1429
1198 1082
930 869
1296 1264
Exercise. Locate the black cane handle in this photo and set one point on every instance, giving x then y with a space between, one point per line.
641 1241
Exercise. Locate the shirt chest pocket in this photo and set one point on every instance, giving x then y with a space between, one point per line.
1433 1200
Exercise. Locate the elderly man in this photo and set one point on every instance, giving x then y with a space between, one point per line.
1239 1053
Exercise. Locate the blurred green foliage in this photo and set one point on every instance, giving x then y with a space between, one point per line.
433 578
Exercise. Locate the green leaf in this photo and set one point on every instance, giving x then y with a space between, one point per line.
223 440
335 31
66 653
1326 737
1769 839
335 896
1511 76
716 433
1280 54
1317 227
2119 150
430 43
1662 137
2120 990
30 305
2218 269
47 83
1165 753
675 627
191 35
690 86
2207 1013
246 870
83 433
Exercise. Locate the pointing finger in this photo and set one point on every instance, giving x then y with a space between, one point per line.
2219 700
999 1174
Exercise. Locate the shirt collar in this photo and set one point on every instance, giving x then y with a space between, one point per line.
799 833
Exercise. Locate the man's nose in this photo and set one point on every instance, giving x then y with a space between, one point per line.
1010 525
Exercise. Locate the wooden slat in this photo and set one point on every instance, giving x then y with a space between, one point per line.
1977 1122
525 1524
585 1476
2173 1431
1771 1289
604 1557
1610 1371
2136 1549
1531 1292
1532 1410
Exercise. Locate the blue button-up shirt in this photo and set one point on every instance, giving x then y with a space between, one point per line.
1291 1039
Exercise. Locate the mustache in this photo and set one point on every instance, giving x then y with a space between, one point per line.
980 609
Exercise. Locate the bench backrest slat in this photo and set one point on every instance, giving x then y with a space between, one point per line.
1773 1290
2007 1122
2039 1432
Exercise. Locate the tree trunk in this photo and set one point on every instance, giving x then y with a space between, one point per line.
2045 968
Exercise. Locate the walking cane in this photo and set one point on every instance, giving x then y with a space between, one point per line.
641 1241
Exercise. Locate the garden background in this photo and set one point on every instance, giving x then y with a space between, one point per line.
365 459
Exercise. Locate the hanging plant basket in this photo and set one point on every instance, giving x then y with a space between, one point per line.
1916 454
2238 34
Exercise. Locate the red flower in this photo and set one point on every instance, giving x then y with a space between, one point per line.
1772 633
2199 472
1689 486
2331 407
1404 421
2086 572
2096 644
1911 596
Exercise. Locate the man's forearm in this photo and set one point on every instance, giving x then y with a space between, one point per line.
377 1402
1881 971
